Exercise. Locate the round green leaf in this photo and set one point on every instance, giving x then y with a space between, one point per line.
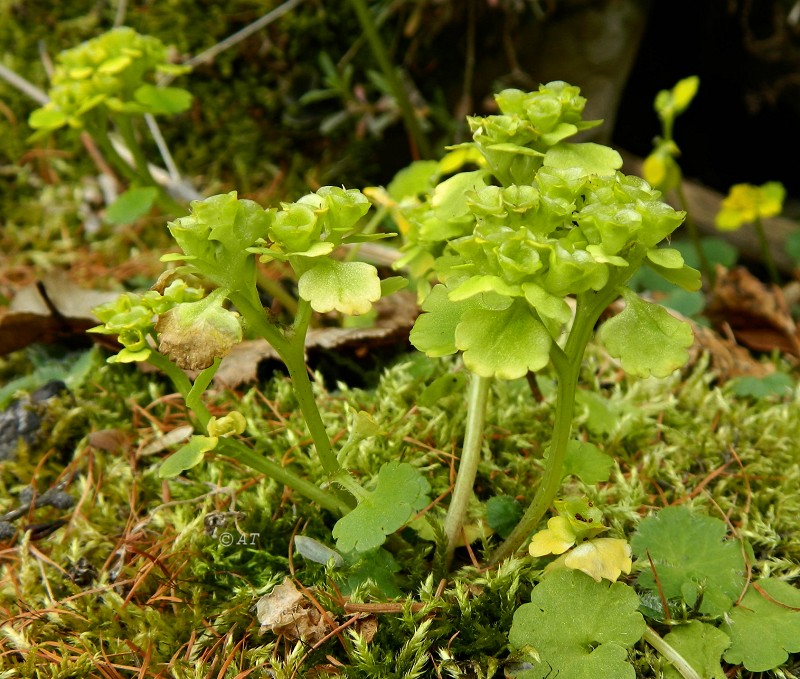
646 338
579 627
503 343
765 627
163 99
347 287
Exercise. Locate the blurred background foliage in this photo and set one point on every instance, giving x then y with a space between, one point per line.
302 103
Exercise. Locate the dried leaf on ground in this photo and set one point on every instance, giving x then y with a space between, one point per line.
396 315
757 314
52 310
286 611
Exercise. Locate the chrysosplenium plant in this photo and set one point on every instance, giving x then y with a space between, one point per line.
108 83
178 326
525 253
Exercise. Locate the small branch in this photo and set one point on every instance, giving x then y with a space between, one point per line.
246 32
23 85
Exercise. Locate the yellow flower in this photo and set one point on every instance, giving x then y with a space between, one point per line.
600 558
557 538
746 203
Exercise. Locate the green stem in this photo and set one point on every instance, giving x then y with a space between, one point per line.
567 363
399 92
694 235
240 452
766 255
236 449
468 467
676 659
296 364
183 384
292 352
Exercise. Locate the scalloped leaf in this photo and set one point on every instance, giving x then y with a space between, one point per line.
701 645
765 627
347 287
401 491
434 330
581 629
590 157
692 558
646 338
503 343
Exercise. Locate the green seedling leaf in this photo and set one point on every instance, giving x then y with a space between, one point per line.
347 287
392 284
401 491
646 338
442 386
502 514
774 384
701 645
765 627
581 629
668 263
449 202
163 99
692 558
131 205
503 343
187 456
417 179
47 119
377 567
587 462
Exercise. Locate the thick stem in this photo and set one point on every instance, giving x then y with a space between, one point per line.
468 467
671 654
292 352
295 361
379 52
567 363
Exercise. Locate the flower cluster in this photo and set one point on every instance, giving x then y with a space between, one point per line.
132 317
114 71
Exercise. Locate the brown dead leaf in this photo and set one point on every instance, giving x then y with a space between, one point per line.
396 316
756 314
286 612
53 311
367 628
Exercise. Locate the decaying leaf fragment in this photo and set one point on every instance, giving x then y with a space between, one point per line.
757 314
287 612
